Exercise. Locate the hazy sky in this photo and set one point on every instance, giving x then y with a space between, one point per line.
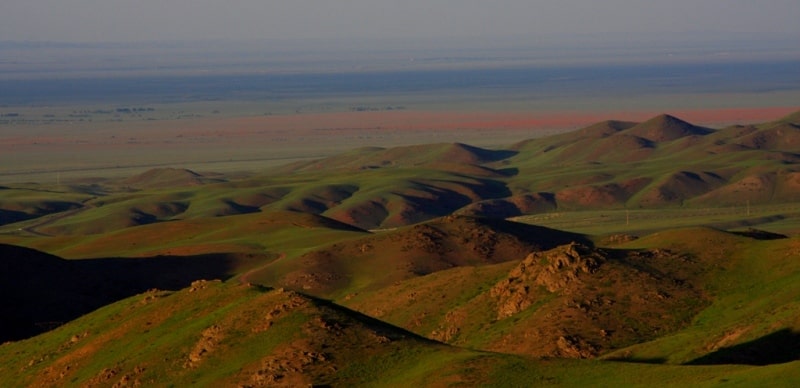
168 20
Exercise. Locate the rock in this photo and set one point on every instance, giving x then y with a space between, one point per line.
554 270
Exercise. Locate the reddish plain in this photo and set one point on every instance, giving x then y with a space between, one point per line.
37 151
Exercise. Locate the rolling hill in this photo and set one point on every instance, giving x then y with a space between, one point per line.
214 333
397 267
376 261
570 301
661 162
646 311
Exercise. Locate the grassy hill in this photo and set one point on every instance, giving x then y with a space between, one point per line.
228 334
662 162
213 333
569 301
376 261
685 296
630 260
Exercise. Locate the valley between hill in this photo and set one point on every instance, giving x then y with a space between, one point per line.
624 253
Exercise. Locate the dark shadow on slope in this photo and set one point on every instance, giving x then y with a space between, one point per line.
12 216
441 203
508 171
547 238
746 223
777 348
485 155
636 360
306 205
381 328
501 209
42 291
41 209
490 189
139 217
315 220
758 234
238 208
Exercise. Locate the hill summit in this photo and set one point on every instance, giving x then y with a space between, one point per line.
666 128
157 178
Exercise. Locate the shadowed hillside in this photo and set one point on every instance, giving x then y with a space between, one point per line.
42 291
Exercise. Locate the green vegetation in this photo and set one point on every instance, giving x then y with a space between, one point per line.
556 261
780 218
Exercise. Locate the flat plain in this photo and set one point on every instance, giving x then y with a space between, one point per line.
46 144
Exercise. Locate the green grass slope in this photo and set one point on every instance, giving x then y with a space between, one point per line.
226 335
274 231
229 334
753 317
662 162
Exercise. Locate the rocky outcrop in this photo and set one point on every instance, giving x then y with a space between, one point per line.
553 270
